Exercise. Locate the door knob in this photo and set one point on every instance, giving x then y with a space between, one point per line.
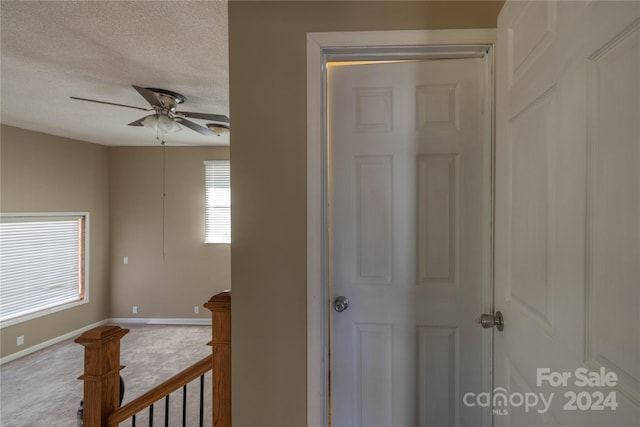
489 321
340 304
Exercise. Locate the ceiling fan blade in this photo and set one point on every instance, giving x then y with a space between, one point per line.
205 116
149 96
109 103
193 126
139 121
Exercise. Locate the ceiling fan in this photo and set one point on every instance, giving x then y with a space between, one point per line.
165 117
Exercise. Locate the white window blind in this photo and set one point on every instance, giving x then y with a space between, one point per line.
217 201
41 263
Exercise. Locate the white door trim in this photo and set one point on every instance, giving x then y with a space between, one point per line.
356 45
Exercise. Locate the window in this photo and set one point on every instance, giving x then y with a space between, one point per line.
42 264
217 201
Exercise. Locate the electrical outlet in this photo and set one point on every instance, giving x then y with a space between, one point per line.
20 340
135 309
125 260
196 309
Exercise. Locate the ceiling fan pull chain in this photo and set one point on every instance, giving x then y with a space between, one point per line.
164 194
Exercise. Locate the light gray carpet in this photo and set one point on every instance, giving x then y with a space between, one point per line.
42 389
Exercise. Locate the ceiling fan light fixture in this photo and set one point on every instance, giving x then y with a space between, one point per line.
218 128
150 122
162 123
168 125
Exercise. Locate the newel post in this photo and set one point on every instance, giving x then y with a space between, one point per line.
220 306
101 373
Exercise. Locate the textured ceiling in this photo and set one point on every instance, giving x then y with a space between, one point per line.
51 50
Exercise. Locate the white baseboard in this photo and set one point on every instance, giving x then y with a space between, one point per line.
118 320
56 340
197 321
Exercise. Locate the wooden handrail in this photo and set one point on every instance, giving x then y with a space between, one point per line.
172 384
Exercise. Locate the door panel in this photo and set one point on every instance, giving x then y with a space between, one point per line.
409 215
567 248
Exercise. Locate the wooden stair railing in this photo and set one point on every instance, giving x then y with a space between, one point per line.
102 372
160 391
220 306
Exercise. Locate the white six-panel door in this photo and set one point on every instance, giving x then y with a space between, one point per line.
409 224
567 249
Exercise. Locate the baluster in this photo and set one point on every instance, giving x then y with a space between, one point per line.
201 399
184 406
166 411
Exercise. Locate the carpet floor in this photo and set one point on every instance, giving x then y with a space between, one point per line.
42 389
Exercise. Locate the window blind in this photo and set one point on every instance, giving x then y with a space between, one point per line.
41 263
217 201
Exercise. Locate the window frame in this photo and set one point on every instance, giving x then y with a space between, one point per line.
208 163
84 268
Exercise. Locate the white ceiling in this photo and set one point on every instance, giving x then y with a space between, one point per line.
51 50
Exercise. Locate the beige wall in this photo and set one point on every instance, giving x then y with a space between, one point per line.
45 173
121 187
191 271
267 53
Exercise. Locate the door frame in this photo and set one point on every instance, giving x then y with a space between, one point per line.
369 45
